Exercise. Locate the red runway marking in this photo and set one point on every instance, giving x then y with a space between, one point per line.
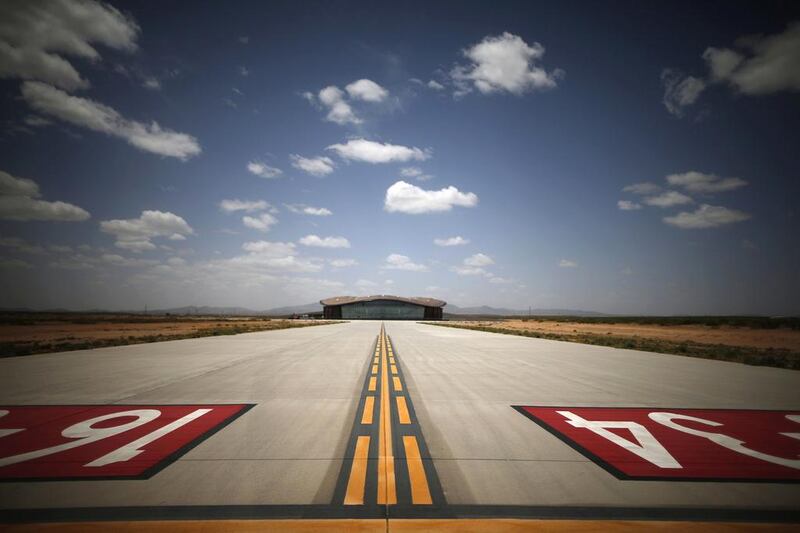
680 444
102 441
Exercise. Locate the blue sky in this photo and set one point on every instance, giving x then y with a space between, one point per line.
621 157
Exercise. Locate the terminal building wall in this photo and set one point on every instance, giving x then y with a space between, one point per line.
382 310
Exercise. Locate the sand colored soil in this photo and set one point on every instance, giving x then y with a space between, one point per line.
730 336
59 331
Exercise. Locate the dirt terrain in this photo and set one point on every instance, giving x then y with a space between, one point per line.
62 331
781 338
29 334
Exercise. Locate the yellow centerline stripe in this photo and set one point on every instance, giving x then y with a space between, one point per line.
387 493
374 369
372 382
402 410
358 473
369 405
397 385
420 493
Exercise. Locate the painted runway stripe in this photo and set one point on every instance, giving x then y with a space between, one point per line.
387 461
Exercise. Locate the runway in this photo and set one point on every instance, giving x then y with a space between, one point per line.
290 424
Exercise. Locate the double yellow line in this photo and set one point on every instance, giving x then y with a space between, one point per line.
384 365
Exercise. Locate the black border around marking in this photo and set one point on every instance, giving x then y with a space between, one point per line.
614 471
159 465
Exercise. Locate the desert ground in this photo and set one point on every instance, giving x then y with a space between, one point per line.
779 338
763 342
30 333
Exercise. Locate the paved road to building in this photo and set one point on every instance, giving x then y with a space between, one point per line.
353 421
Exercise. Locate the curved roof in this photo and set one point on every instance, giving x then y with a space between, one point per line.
341 300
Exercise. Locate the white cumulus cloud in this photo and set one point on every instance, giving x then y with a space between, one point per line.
478 260
404 197
366 90
375 152
325 242
34 37
503 63
262 222
706 216
135 234
403 262
764 64
339 111
316 166
19 200
95 116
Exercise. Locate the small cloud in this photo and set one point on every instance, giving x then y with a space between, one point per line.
469 271
478 260
680 91
416 173
343 263
642 188
263 170
706 216
374 152
403 197
566 263
248 206
316 166
19 200
503 63
244 39
668 199
262 222
325 242
366 90
435 85
339 111
627 205
135 234
697 182
403 262
302 209
244 71
152 84
451 241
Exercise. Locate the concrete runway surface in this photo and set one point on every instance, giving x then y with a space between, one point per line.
345 422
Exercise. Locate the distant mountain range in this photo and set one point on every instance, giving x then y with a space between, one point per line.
450 309
486 310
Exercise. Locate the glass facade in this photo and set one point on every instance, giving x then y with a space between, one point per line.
383 310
